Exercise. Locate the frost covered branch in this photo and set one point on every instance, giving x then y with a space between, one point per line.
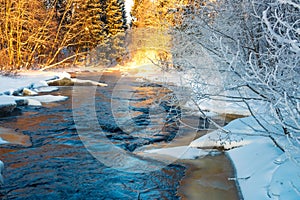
254 45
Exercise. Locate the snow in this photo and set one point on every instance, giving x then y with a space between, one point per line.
181 152
33 102
263 171
128 6
2 141
29 79
87 82
48 98
255 167
28 83
285 182
226 106
7 100
46 89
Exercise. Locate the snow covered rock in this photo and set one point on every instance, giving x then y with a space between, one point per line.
78 82
21 102
7 104
28 92
61 82
39 84
48 98
33 102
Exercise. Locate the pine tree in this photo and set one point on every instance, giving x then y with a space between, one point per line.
86 27
149 13
115 17
113 50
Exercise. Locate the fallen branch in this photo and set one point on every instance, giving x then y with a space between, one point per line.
64 60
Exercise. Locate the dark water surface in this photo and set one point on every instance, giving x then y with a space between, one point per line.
58 166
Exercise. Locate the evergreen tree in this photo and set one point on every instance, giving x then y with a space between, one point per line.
86 25
115 17
113 49
149 13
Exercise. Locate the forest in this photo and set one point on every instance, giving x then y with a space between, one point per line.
42 33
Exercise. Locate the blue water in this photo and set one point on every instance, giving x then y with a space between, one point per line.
58 166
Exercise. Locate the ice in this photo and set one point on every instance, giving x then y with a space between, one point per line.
46 89
7 100
49 98
33 102
181 152
2 141
43 99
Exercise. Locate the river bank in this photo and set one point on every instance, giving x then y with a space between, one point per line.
257 162
263 169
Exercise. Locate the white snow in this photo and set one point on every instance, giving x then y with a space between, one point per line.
181 152
2 141
263 171
7 100
94 83
31 83
46 89
48 98
128 6
30 79
38 100
33 102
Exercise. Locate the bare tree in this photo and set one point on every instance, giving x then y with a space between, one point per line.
256 46
25 30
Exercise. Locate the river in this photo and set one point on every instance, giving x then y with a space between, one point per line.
61 160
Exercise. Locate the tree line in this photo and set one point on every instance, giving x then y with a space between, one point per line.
37 33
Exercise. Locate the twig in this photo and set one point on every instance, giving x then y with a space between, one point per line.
270 136
210 120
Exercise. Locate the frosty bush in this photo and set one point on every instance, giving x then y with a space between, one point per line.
257 46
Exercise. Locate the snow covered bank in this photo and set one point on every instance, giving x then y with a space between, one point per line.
7 104
263 171
23 90
31 79
28 88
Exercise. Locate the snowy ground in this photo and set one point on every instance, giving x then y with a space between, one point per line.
263 171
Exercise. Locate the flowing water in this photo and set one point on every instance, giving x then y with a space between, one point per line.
54 162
